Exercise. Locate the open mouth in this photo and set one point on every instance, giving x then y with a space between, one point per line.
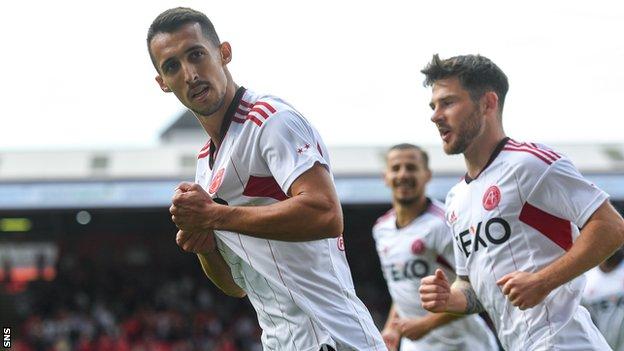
445 134
199 92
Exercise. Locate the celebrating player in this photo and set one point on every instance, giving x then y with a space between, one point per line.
412 241
263 214
515 217
604 298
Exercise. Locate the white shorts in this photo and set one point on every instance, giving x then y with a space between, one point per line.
436 343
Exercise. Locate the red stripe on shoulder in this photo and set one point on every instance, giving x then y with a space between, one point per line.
546 153
260 112
385 216
254 119
267 105
530 151
246 104
436 213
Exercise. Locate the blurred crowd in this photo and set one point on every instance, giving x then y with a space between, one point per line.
125 292
104 307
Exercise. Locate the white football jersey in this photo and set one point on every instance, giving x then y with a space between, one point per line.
302 291
604 298
521 213
416 251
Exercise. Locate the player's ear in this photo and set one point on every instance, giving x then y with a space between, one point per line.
428 172
226 52
162 84
490 100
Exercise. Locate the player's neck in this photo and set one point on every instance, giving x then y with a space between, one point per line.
213 124
405 214
478 153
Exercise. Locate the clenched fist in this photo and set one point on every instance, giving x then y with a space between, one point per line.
435 292
192 209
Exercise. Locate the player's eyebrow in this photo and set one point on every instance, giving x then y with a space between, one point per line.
194 47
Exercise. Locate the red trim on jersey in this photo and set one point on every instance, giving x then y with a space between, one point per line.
435 210
203 154
318 147
554 228
264 187
259 111
443 262
254 119
205 151
265 104
241 112
245 103
238 120
205 146
530 151
553 156
388 213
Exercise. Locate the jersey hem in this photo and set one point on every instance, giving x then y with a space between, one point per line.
591 208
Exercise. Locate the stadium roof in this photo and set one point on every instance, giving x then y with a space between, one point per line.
145 177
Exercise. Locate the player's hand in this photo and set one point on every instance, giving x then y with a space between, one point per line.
411 328
201 243
192 209
435 292
391 338
523 289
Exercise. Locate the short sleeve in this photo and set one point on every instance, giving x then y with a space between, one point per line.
444 242
563 192
289 147
460 260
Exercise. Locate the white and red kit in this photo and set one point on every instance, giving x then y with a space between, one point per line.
415 251
604 298
521 213
302 291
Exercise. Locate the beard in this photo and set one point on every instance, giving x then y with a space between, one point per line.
407 201
209 110
468 130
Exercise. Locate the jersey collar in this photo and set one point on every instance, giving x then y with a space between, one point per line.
497 150
225 125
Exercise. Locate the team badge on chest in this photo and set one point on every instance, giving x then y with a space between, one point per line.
418 246
491 198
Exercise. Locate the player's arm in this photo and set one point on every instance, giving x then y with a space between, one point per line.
438 295
311 212
391 336
601 235
212 263
416 328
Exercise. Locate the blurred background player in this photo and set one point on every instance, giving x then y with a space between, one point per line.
604 298
412 241
279 240
515 217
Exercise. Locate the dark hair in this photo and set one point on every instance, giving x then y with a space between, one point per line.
408 146
476 73
173 19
